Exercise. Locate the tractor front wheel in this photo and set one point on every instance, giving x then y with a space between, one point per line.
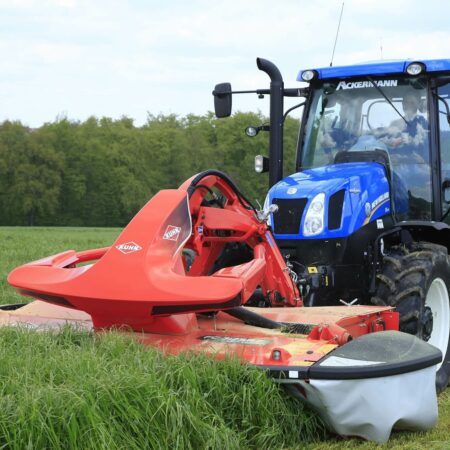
416 280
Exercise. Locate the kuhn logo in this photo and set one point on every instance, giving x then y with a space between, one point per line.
128 247
172 233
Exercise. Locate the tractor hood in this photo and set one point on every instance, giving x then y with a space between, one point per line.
329 202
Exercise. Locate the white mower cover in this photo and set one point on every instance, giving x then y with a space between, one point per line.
372 408
400 392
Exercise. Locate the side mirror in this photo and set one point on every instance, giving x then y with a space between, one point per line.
222 100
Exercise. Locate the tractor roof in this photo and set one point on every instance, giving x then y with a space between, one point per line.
383 67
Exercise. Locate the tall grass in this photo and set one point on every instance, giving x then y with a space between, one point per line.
77 390
19 245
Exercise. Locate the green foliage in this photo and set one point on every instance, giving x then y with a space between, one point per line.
32 172
101 171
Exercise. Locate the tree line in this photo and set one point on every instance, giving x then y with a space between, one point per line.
100 172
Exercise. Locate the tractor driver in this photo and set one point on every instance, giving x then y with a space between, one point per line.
338 133
407 146
407 137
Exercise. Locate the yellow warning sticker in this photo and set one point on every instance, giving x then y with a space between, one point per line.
326 348
297 348
312 269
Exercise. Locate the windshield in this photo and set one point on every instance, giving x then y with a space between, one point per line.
388 114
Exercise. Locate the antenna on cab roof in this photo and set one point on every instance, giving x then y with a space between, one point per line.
337 34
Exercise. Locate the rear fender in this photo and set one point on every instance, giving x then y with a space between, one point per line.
434 232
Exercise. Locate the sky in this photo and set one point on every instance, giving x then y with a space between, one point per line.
78 58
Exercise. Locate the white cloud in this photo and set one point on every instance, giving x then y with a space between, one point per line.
115 57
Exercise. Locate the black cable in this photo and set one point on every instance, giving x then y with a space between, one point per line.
215 198
249 205
240 196
257 320
298 264
386 98
292 109
442 99
203 186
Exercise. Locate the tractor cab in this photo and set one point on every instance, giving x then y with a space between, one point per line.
348 119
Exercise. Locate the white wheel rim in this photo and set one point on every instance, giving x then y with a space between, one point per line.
438 301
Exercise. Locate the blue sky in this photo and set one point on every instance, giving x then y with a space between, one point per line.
78 58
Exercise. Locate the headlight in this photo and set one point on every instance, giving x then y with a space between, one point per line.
251 131
261 164
315 216
309 75
415 68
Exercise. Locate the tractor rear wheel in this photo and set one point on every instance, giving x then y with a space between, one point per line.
416 280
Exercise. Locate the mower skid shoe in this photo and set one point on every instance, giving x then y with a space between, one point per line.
374 384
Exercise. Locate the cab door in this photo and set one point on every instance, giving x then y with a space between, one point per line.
443 108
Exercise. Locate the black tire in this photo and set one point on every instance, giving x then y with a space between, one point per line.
404 282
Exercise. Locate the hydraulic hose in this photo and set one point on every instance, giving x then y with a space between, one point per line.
191 189
256 320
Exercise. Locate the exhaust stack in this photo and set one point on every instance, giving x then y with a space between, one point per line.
276 119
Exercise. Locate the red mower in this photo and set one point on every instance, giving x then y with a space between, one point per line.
161 280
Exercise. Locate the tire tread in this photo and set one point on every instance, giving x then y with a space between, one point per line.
405 276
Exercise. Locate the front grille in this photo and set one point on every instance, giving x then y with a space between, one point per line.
335 210
289 215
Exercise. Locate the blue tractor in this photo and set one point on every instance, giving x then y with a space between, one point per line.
365 216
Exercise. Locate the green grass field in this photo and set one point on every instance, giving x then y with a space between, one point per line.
76 390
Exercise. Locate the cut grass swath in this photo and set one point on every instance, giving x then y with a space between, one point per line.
74 390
